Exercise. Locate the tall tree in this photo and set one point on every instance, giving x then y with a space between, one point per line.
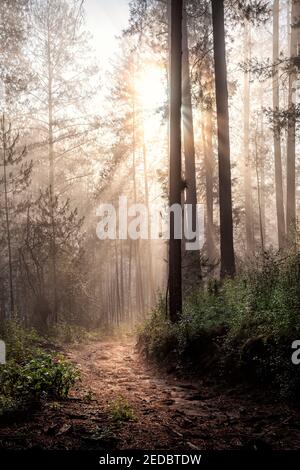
192 257
151 289
13 35
15 179
61 89
291 141
140 300
13 79
276 130
209 182
246 146
175 182
225 197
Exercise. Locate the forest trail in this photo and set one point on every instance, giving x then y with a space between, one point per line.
168 413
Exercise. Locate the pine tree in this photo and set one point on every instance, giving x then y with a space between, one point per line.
175 182
291 138
225 199
15 180
276 131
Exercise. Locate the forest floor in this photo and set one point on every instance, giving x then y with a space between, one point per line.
168 413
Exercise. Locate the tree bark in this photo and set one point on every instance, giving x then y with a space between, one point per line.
262 170
7 220
175 183
138 270
291 147
192 257
51 171
247 160
276 132
226 221
151 289
209 181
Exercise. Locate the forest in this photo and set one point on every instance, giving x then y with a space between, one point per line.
149 236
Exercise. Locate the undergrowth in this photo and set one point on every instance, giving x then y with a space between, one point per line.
120 410
31 374
240 329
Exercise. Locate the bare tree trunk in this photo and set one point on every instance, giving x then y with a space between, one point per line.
209 181
139 281
263 190
226 222
129 282
291 146
276 132
122 296
117 285
113 302
138 270
51 171
149 241
288 26
259 193
7 220
192 257
247 159
175 183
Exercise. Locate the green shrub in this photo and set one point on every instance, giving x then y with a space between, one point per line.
7 405
44 375
243 327
21 343
64 333
30 373
120 410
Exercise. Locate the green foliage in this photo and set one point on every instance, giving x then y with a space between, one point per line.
20 343
120 410
242 328
265 298
157 335
7 405
65 333
89 396
42 376
31 374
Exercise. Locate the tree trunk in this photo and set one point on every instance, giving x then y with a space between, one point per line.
247 159
226 222
122 296
192 257
276 132
51 173
138 270
129 282
262 177
259 192
117 286
149 241
7 221
209 182
291 150
175 183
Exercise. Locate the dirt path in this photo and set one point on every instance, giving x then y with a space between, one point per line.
168 413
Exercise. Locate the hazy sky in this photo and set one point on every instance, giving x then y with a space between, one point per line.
105 20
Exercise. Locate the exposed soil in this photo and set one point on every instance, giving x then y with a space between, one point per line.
169 413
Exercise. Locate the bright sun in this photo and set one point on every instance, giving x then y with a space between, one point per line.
151 88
